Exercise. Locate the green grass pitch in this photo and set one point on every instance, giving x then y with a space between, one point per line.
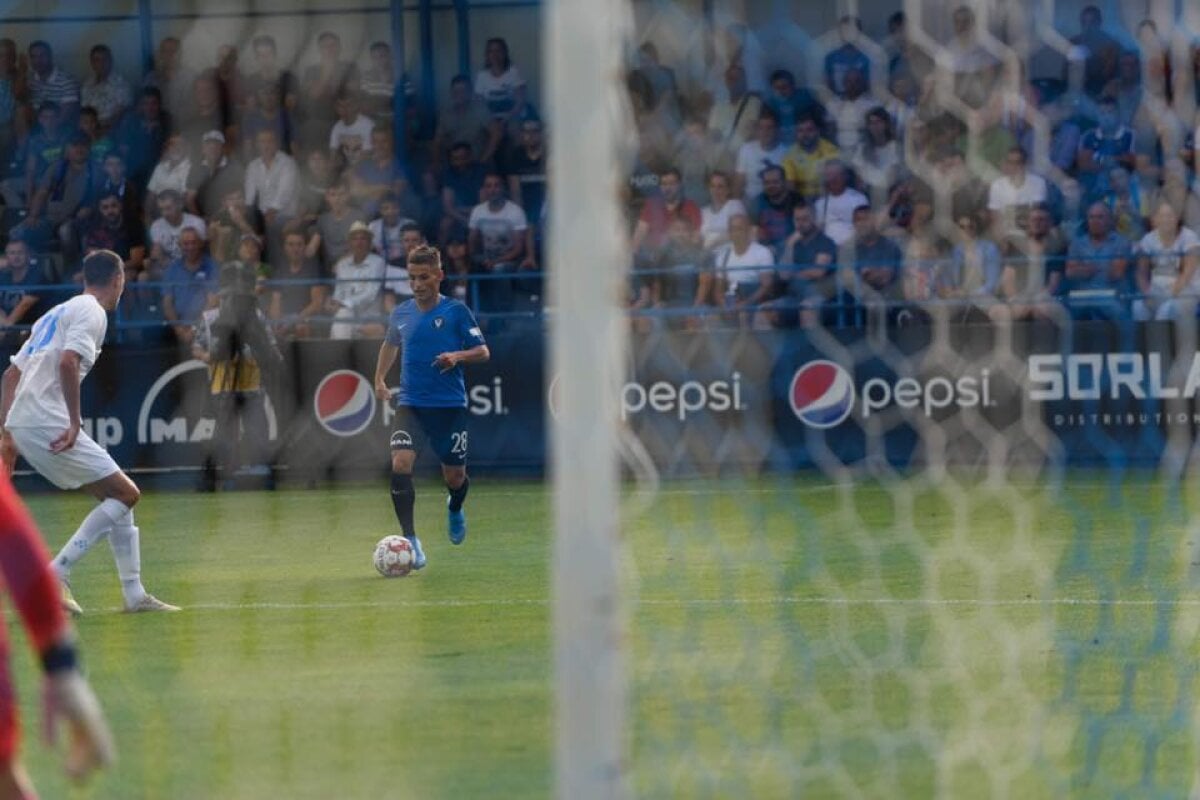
788 638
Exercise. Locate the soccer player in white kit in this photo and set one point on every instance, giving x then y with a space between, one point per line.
39 407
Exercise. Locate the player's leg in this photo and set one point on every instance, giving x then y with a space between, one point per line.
451 444
404 496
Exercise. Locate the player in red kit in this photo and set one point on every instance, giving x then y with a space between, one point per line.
34 589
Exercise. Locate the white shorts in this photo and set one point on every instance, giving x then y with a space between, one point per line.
84 463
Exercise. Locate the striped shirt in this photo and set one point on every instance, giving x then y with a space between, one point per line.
58 88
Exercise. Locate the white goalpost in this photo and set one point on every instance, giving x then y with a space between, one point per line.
588 260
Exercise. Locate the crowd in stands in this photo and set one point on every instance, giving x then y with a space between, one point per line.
294 173
898 183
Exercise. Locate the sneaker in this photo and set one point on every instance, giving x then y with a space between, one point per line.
457 522
149 603
418 553
68 600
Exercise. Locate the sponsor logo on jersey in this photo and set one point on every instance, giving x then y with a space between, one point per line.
344 403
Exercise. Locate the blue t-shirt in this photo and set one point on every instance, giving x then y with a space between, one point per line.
191 289
424 335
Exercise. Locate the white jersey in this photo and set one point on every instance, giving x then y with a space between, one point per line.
78 325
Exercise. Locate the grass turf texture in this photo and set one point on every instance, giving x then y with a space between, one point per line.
790 639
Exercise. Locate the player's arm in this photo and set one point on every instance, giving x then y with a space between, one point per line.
475 355
68 376
8 390
387 357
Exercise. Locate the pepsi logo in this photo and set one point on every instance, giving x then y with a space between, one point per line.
344 403
821 394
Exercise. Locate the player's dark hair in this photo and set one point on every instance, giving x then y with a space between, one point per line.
425 256
100 267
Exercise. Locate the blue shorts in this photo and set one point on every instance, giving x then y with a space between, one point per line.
443 429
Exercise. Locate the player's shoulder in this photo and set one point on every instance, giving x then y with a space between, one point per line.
451 305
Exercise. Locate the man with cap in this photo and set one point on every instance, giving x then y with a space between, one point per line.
211 180
66 193
356 302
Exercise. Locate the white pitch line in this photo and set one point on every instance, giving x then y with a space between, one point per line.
688 603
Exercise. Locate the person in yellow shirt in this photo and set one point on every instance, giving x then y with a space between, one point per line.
805 161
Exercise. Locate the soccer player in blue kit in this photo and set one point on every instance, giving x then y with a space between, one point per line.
435 335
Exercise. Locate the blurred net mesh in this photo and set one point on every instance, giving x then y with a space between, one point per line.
952 599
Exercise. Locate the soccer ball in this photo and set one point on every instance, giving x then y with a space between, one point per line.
394 557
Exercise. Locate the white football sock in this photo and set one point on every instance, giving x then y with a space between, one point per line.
93 528
126 548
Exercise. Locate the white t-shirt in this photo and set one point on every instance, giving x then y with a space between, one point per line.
1005 194
744 268
395 280
79 325
498 91
714 223
835 214
167 177
166 235
752 159
498 229
355 136
358 284
1167 262
851 119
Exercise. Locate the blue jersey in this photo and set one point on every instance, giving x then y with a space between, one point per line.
424 335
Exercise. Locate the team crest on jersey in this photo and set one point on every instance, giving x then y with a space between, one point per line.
437 323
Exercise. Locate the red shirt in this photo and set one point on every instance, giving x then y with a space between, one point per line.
658 219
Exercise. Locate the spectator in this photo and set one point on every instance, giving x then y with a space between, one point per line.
879 157
105 90
465 119
969 195
214 177
661 78
331 238
714 217
113 228
460 190
1012 194
1033 270
387 232
734 119
173 82
1126 89
166 230
380 174
1167 262
497 242
526 169
764 151
836 206
379 83
231 89
500 84
1102 51
267 72
846 57
318 176
250 253
805 161
271 183
870 264
43 148
116 182
650 233
191 285
396 286
301 297
21 301
49 84
350 137
356 301
772 210
457 267
141 136
66 195
789 104
172 171
682 280
921 278
808 271
204 111
101 144
322 83
1097 262
973 273
745 271
850 111
1108 145
268 114
973 66
697 154
13 96
233 221
1124 200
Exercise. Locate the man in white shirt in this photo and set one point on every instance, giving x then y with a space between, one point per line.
351 134
173 169
496 241
765 150
40 410
746 269
1012 195
356 296
271 180
835 207
166 230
